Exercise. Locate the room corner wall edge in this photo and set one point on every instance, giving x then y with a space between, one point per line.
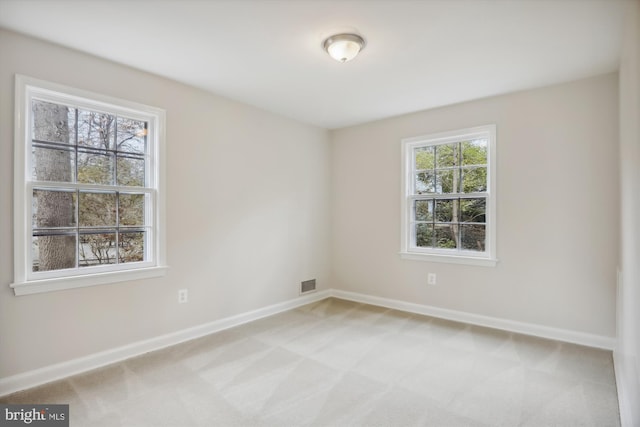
627 391
565 335
47 374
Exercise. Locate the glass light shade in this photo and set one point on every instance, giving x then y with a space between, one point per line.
343 50
344 47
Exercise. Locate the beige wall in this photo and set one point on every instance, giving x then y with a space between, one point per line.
628 351
247 215
557 207
249 212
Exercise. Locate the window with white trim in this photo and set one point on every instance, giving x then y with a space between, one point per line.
88 194
448 203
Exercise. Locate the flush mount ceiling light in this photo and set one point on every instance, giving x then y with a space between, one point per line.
343 47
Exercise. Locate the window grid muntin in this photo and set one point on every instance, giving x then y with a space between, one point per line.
78 230
27 88
460 167
434 220
75 186
414 195
74 146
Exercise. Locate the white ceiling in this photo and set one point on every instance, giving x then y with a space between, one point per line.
267 53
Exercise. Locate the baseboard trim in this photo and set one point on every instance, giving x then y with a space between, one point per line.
590 340
58 371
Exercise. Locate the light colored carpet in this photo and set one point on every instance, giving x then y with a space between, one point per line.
338 363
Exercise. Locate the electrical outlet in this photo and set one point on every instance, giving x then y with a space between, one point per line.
431 278
183 296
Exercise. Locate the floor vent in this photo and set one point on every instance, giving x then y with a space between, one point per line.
308 286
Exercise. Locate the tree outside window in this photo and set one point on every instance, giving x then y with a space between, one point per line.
449 202
88 200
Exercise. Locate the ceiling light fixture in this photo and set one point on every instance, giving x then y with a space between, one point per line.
344 47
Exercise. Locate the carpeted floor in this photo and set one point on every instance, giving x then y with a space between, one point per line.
338 363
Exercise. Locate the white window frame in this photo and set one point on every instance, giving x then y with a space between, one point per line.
456 256
25 280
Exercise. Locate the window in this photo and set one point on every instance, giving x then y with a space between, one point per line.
88 194
448 203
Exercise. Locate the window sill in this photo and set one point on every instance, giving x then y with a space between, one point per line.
72 282
451 259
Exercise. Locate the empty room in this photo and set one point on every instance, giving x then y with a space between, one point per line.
320 213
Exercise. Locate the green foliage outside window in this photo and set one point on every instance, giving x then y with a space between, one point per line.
457 169
86 147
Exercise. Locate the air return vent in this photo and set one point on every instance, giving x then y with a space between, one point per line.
308 286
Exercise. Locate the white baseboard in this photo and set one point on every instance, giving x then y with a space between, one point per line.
590 340
628 392
58 371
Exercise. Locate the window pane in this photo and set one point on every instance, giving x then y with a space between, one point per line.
96 130
425 157
447 193
473 210
97 249
53 252
131 209
446 236
424 235
447 210
474 152
97 209
53 122
52 208
447 155
95 168
53 164
132 135
424 183
474 180
423 210
447 181
131 171
131 247
473 237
